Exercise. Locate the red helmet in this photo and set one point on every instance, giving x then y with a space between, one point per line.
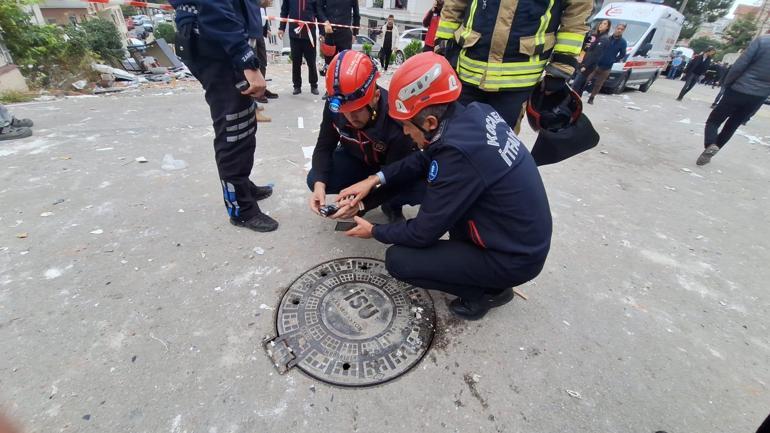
351 81
423 80
553 112
327 47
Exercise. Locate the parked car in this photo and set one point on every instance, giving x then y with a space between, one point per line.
407 37
362 40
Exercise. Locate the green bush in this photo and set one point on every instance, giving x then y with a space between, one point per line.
414 47
103 39
367 49
50 56
12 97
165 31
128 11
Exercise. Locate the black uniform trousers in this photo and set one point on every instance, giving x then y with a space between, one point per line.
733 109
347 170
507 103
581 76
690 81
235 127
384 56
460 268
343 40
261 51
302 48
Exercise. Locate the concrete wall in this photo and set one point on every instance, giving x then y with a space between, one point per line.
64 16
11 79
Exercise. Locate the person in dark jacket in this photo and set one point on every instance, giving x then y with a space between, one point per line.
262 48
747 85
693 71
301 40
343 13
615 51
213 41
483 188
593 47
358 139
430 21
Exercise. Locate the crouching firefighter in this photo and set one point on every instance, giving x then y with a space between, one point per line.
357 138
212 40
483 188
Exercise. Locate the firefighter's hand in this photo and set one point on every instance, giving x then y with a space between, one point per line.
363 230
359 191
257 84
346 211
328 27
280 34
318 198
440 47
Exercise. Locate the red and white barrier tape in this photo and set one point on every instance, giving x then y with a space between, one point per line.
168 7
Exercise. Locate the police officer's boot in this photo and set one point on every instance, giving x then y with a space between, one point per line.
476 309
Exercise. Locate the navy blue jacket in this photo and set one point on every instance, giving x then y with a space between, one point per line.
225 23
614 51
304 10
483 187
378 144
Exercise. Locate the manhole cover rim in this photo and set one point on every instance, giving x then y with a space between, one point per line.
432 316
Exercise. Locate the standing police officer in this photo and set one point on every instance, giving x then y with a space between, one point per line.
213 40
483 188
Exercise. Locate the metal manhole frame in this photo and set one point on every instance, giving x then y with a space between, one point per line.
268 339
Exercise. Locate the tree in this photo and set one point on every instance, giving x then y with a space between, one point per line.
128 11
166 31
700 44
103 39
46 55
740 33
699 11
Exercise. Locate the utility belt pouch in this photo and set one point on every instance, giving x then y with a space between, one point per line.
185 42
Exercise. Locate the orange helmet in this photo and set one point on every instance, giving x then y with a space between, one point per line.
423 80
351 80
327 47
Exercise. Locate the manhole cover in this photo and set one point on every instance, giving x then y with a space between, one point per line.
348 322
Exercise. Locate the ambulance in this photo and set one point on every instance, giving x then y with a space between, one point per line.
651 32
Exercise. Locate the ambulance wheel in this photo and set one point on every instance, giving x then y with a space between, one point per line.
621 86
646 86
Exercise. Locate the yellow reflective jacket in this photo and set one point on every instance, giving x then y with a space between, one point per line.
506 44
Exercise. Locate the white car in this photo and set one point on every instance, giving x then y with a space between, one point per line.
362 40
406 38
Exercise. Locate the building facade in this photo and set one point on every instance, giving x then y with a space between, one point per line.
66 12
407 13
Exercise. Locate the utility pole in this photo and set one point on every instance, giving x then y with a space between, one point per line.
684 5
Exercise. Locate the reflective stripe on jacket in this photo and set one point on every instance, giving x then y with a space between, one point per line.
506 44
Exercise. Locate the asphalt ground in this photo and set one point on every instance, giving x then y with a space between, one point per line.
128 303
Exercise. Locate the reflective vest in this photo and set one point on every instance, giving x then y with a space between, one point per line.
506 44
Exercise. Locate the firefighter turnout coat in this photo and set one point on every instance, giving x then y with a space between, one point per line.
506 44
